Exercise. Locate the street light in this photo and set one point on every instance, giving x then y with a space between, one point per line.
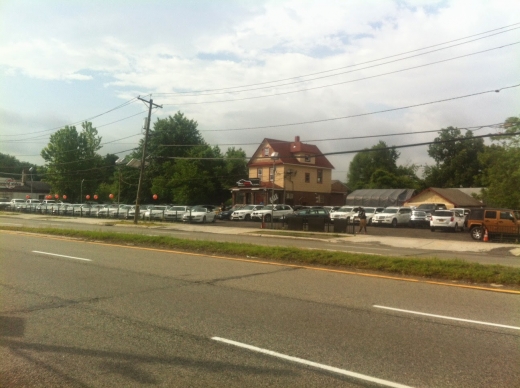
274 157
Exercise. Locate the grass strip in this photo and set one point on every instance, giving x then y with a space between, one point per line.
431 268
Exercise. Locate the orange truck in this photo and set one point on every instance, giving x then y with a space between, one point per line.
501 223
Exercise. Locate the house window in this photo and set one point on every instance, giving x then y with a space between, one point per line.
289 196
320 176
266 151
307 177
319 198
259 173
271 175
308 158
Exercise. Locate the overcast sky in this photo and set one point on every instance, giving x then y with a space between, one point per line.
234 66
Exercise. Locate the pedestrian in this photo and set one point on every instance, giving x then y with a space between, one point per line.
362 220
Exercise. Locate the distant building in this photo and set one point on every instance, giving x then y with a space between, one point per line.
379 197
19 189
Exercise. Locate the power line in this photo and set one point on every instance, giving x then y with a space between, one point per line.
361 114
351 71
82 121
362 63
341 83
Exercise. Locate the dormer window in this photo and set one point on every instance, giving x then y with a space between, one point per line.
308 158
266 151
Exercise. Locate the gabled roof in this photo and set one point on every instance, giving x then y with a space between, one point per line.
379 197
287 151
454 196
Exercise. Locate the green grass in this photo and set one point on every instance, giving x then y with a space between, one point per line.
430 268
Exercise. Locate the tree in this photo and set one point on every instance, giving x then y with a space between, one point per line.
11 167
456 160
502 168
376 168
183 168
71 158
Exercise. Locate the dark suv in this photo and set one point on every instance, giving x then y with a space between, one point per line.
429 208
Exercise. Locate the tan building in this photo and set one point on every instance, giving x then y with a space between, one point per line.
452 198
293 173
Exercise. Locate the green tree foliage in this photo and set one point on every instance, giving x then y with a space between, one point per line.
72 157
183 168
376 168
456 160
502 168
11 167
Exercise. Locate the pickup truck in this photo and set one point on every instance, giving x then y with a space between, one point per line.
497 222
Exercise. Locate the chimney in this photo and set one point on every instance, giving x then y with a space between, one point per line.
297 139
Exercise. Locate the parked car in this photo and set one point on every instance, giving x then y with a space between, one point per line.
244 213
501 222
121 212
429 208
345 213
155 212
226 213
17 204
393 216
447 219
369 212
269 212
175 213
419 219
309 213
200 214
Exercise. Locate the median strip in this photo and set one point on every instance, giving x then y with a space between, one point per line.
429 269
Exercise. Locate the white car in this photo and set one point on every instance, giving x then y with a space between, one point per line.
370 212
274 211
244 213
200 214
447 219
345 213
155 212
175 212
393 216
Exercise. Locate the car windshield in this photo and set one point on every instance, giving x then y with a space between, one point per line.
248 207
267 207
199 209
419 214
442 213
390 210
177 209
345 209
370 210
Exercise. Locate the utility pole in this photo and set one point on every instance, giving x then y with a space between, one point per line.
150 104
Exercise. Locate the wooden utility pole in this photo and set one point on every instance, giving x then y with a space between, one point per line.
143 157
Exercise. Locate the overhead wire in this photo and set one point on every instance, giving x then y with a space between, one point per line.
341 83
362 63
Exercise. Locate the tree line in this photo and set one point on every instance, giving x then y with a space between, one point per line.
182 168
460 160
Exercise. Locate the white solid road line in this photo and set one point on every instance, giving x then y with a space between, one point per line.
68 257
311 363
450 318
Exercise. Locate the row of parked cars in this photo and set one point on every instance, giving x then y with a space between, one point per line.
201 213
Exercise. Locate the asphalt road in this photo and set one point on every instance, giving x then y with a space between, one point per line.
86 315
495 256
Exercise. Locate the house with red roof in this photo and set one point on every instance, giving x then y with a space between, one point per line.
293 173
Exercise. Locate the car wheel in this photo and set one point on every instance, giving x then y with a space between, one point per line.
455 227
477 233
247 217
204 219
394 223
214 219
432 229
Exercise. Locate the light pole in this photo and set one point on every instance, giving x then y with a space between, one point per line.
31 170
81 191
274 157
